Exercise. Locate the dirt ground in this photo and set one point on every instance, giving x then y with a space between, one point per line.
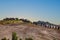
25 30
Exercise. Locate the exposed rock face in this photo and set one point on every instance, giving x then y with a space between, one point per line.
23 31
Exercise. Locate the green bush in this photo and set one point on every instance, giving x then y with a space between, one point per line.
28 39
20 39
4 38
14 37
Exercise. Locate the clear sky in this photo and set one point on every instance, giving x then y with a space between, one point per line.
44 10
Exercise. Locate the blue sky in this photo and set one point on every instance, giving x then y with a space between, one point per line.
44 10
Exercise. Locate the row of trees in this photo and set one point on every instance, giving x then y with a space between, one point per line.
6 19
24 20
13 20
41 23
14 37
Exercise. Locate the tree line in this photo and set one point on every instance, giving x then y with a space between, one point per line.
24 20
41 23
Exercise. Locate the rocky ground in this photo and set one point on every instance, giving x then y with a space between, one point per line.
29 30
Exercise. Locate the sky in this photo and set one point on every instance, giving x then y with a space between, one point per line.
34 10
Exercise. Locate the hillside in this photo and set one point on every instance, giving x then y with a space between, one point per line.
29 30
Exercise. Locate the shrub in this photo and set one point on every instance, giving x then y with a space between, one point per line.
4 38
20 39
28 39
14 37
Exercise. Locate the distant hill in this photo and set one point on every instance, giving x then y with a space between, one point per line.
8 21
24 28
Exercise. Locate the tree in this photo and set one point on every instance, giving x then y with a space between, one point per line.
14 37
16 19
25 20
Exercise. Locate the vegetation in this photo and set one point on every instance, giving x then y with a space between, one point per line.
4 38
14 37
20 39
13 21
28 39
